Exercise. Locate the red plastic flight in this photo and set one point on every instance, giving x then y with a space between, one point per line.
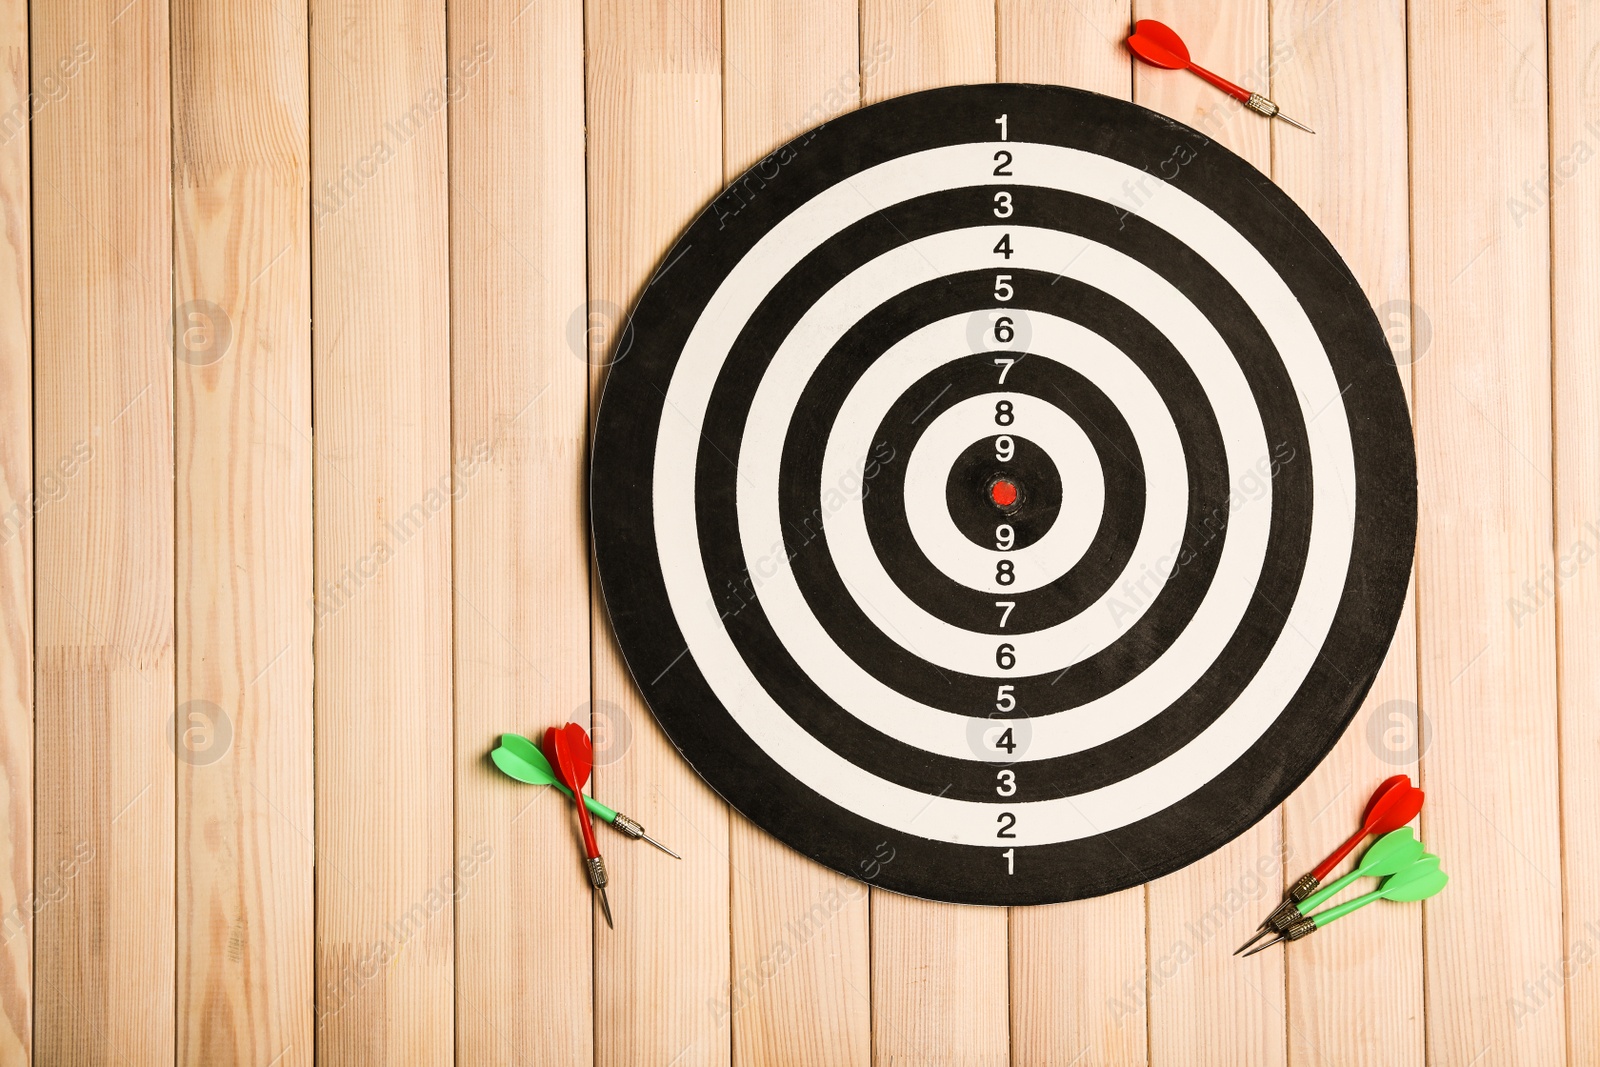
572 756
1395 803
1159 45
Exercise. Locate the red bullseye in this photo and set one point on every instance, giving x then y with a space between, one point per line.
1003 493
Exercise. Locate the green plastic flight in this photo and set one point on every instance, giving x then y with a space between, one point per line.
521 759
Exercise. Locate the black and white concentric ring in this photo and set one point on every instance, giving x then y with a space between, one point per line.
1304 573
807 758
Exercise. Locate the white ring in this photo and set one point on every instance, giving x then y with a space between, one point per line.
927 502
925 635
1049 650
1146 792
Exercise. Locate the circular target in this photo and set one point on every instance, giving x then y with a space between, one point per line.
1008 481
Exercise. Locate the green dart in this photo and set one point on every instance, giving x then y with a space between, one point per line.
1419 881
521 759
1389 854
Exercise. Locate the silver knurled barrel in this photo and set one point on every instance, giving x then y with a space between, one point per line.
1286 913
628 826
597 872
1257 102
1299 929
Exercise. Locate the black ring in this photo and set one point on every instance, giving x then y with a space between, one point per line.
1237 795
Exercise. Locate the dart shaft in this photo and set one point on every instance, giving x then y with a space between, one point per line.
586 824
1238 92
1254 101
1328 892
1323 918
1337 857
605 813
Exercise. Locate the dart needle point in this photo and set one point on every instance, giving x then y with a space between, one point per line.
1263 948
605 906
1259 935
1295 124
662 847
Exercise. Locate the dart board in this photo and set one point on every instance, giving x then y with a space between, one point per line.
1003 494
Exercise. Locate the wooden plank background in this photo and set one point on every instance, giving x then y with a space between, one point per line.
304 310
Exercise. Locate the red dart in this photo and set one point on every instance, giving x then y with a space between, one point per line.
1159 45
572 757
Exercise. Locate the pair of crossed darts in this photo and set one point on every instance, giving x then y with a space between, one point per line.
1408 872
566 762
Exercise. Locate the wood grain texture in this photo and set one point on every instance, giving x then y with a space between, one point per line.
655 160
16 546
418 175
387 873
1078 969
926 43
1482 400
801 963
1205 1006
521 594
1355 998
939 971
104 542
1078 44
1574 583
242 408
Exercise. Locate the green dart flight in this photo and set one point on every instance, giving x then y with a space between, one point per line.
519 758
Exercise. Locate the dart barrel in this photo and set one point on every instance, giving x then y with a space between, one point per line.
1287 912
628 826
1261 104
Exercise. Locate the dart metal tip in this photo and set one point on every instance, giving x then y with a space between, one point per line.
1295 124
1263 948
662 847
1259 935
605 906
